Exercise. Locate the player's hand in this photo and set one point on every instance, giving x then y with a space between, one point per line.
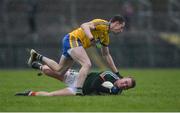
96 43
115 90
119 75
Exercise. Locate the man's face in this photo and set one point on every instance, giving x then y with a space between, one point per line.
124 83
117 27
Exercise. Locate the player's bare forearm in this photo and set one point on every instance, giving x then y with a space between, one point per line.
107 56
87 29
110 63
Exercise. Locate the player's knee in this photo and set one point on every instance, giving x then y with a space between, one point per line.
46 70
87 65
45 67
58 69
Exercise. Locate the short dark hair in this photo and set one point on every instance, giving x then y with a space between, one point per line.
118 18
133 82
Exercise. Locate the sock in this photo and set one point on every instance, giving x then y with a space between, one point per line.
39 57
32 93
79 91
36 65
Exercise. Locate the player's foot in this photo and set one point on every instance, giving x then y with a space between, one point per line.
34 56
26 93
36 65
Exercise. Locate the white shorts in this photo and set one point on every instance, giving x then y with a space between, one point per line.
70 78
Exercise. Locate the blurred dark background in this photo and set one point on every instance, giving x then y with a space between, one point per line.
151 38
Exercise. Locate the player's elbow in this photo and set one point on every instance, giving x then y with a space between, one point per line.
87 65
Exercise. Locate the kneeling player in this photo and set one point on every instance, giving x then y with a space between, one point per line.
93 83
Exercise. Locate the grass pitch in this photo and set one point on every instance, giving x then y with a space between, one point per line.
156 90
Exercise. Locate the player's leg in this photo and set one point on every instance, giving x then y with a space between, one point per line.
54 65
35 56
64 61
62 92
64 64
48 71
79 55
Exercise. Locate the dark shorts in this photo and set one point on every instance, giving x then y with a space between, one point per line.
68 43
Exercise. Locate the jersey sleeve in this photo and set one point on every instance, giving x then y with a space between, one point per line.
109 76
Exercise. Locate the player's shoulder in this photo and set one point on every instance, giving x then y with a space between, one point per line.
100 22
109 74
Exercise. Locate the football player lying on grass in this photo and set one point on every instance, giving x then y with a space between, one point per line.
96 83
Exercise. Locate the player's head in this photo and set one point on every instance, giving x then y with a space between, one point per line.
117 24
125 83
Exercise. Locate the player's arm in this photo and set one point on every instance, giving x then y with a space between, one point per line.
87 29
100 88
107 56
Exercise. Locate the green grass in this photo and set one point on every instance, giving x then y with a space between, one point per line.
157 90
